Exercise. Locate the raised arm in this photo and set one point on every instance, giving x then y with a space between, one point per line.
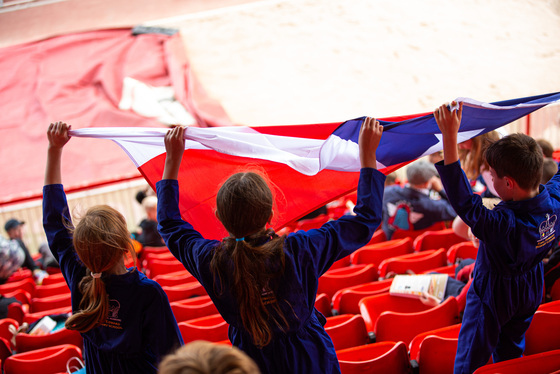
449 122
370 136
175 147
57 134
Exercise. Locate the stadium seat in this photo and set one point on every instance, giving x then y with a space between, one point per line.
194 307
552 306
184 291
384 357
542 363
371 307
32 317
312 223
378 237
51 360
449 270
347 330
346 300
26 342
461 251
413 234
5 351
51 290
50 302
27 285
448 332
415 262
376 253
19 275
52 279
398 326
146 250
6 324
555 291
542 334
20 295
436 355
334 280
436 239
323 304
157 267
342 263
212 328
175 279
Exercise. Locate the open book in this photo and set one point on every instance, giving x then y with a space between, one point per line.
414 285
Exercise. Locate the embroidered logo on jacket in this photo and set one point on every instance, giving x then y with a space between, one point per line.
113 320
546 230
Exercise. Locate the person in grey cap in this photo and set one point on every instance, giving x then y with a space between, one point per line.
15 232
419 204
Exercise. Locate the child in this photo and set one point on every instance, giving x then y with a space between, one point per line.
262 284
125 318
202 357
514 237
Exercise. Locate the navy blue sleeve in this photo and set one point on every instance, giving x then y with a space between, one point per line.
55 215
483 222
184 242
321 247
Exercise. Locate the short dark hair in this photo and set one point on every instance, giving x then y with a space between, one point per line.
517 156
546 146
550 167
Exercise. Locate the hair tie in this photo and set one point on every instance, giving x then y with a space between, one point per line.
96 275
240 239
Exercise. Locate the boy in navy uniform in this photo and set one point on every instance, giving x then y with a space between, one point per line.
514 237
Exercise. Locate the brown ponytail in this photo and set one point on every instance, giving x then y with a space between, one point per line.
252 258
101 239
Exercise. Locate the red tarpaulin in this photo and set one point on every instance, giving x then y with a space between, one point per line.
79 79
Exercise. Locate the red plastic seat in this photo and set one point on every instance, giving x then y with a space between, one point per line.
398 326
334 280
376 253
413 234
542 363
345 301
312 223
184 291
555 291
437 355
371 307
436 239
157 267
378 237
552 306
384 357
26 342
448 332
323 304
5 332
449 270
461 251
50 302
27 285
17 311
192 308
20 295
51 290
19 275
50 360
32 317
175 279
53 279
210 328
415 262
347 330
542 334
342 263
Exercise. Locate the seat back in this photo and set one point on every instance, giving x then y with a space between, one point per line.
413 234
461 251
376 253
6 324
50 302
345 301
184 291
541 363
194 307
371 307
175 279
334 280
323 304
212 328
437 355
52 290
49 360
384 357
347 330
437 239
542 334
157 267
26 284
312 223
26 342
448 332
552 306
53 279
415 262
395 326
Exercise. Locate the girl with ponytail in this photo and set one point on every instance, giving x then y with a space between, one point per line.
125 318
264 285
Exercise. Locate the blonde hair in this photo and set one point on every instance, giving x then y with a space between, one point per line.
202 357
101 239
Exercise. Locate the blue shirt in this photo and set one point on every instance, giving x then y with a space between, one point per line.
305 347
140 328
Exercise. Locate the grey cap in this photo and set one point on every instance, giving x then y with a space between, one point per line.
420 172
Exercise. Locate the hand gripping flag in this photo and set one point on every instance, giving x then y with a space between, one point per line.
307 165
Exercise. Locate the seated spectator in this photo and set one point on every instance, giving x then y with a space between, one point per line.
546 146
12 257
14 230
202 357
419 204
147 233
550 167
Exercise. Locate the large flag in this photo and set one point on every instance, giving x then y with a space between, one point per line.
307 165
